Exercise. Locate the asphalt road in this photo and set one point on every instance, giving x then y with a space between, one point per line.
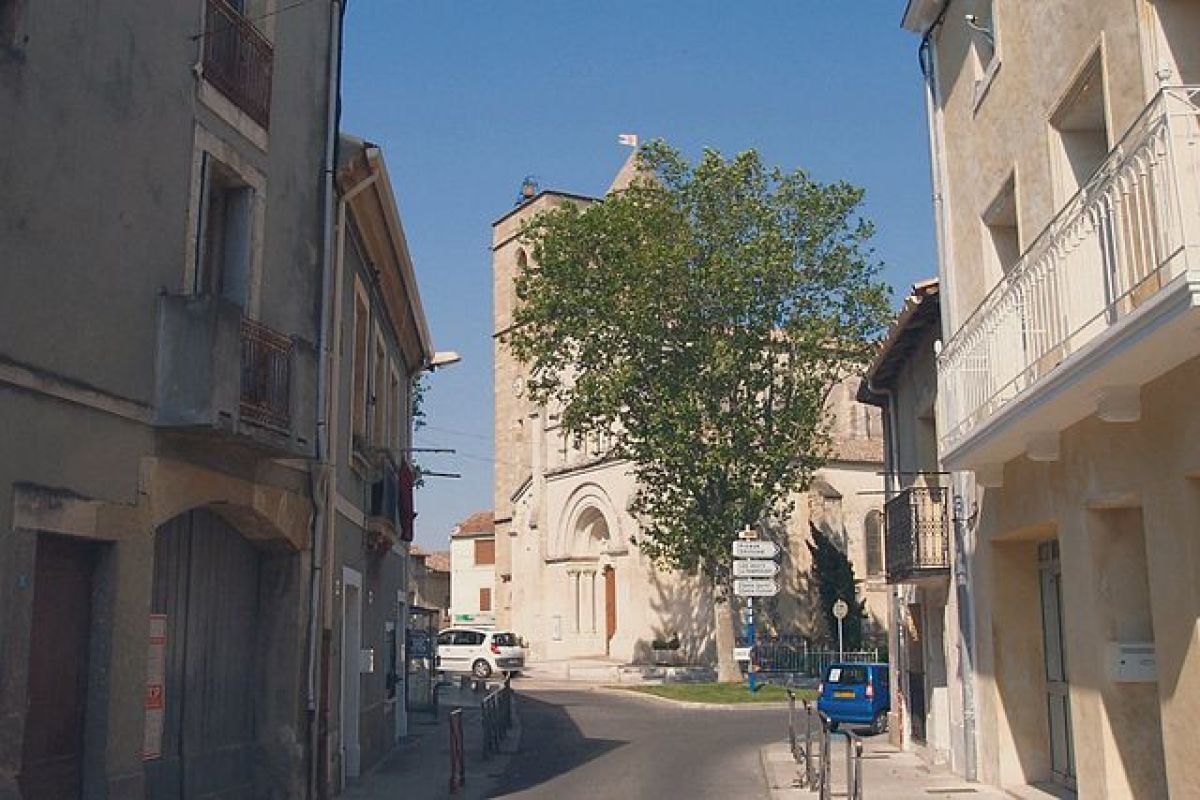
603 744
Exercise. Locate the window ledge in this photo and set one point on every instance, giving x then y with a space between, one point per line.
984 85
215 100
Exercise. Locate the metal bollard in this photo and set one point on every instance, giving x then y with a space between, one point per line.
856 793
808 765
458 767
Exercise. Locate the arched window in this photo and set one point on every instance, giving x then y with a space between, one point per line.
873 533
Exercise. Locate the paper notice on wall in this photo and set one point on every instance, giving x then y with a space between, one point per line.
156 674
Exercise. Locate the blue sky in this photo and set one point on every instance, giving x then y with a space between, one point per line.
468 97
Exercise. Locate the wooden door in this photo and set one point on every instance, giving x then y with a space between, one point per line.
52 755
610 606
206 579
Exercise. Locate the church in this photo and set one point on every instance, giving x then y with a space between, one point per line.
570 579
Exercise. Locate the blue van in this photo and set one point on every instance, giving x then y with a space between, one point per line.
856 694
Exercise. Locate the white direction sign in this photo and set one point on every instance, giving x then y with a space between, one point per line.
755 587
755 568
755 548
840 609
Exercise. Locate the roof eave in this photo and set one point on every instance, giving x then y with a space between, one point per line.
919 15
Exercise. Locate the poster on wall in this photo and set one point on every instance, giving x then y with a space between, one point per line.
156 671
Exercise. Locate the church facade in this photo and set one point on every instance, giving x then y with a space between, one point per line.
570 579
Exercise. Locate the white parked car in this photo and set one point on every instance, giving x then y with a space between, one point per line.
480 651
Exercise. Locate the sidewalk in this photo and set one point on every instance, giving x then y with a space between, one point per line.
419 767
888 774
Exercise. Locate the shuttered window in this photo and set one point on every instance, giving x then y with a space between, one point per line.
485 551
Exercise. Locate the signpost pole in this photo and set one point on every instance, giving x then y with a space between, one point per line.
750 636
840 650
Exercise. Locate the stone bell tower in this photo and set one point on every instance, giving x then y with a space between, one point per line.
515 417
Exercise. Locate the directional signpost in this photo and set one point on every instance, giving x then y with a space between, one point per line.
754 571
755 568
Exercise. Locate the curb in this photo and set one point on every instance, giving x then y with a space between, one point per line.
624 692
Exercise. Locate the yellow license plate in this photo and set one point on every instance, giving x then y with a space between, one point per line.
843 694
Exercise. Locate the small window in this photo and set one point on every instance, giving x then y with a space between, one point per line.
379 398
981 28
1002 239
504 639
396 404
359 355
446 637
223 268
485 599
485 551
1080 127
873 532
851 675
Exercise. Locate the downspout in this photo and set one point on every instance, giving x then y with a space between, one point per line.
890 454
320 476
962 573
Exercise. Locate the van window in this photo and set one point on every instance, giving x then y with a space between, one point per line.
854 676
504 639
468 637
446 637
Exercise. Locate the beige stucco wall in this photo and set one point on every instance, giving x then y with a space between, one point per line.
1122 501
1041 50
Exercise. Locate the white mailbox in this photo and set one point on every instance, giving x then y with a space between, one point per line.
1132 662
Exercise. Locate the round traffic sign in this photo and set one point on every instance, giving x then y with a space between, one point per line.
840 609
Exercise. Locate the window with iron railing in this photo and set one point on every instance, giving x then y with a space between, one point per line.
238 59
266 376
917 533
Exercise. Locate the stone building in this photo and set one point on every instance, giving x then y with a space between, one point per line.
569 578
380 343
1065 168
473 570
161 242
429 581
929 611
174 533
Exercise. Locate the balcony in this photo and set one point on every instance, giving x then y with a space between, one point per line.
391 515
220 372
238 60
917 535
1103 301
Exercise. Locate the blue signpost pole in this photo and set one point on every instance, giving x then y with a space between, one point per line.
750 638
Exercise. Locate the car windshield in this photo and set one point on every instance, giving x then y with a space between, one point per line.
504 639
851 675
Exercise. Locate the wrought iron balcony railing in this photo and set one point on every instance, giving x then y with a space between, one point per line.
238 60
266 376
1126 234
917 536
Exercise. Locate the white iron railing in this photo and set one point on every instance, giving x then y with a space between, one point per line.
1122 237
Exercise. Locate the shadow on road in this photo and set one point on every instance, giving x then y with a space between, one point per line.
551 745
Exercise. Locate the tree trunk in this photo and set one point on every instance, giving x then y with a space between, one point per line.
723 619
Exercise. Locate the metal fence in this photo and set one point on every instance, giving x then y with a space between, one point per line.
497 717
811 741
918 532
793 657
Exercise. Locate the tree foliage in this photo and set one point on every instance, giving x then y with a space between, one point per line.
834 575
700 317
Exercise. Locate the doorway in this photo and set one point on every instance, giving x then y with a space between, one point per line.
1058 694
610 608
52 752
351 672
205 597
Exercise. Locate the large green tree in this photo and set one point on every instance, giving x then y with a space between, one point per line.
700 317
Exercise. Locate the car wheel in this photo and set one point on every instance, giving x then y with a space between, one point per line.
880 724
481 669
